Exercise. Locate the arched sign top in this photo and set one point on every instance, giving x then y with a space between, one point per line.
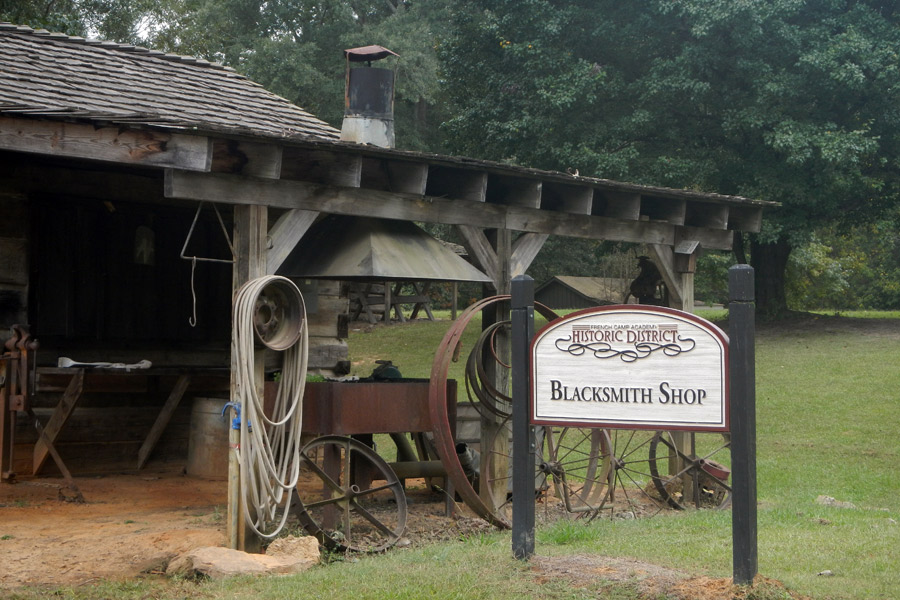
631 367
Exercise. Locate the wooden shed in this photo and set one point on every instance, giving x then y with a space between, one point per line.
121 165
565 291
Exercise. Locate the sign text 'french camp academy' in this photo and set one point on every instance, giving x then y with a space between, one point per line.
628 367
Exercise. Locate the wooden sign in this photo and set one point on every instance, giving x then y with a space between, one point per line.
630 367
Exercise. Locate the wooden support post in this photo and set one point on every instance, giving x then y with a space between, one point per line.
492 428
685 263
454 293
7 423
250 229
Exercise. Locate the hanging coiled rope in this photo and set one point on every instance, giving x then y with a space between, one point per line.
269 452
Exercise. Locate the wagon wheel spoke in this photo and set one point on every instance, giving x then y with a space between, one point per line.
321 474
374 490
372 519
325 502
629 474
345 519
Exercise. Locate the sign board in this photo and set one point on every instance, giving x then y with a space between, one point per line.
630 367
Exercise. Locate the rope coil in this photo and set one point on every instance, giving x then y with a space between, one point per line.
269 452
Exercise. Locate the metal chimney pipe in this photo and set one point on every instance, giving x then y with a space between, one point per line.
368 99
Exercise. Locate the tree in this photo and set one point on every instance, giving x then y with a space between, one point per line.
295 49
118 20
291 47
780 100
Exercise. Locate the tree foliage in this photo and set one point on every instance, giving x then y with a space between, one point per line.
295 49
785 100
118 20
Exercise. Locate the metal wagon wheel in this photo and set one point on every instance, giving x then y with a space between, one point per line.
632 492
694 473
579 462
575 461
359 505
490 506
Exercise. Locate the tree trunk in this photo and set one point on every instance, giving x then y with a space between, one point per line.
769 262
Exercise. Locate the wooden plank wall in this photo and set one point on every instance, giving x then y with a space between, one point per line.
327 306
13 262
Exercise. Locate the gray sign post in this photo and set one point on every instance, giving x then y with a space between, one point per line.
522 315
742 367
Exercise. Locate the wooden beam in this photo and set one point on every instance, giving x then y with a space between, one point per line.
165 415
745 218
586 226
712 239
458 184
524 251
513 191
58 419
567 198
481 249
284 235
109 144
322 166
663 258
247 158
706 214
235 189
232 189
616 205
664 209
394 175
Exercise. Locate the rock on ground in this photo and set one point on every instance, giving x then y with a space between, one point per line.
285 556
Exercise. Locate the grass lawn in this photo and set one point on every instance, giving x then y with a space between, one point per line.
827 405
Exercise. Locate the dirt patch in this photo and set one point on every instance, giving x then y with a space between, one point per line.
589 570
651 581
134 524
130 524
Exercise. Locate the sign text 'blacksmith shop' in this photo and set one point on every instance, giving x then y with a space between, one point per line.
631 366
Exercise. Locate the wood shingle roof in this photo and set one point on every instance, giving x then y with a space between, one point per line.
53 75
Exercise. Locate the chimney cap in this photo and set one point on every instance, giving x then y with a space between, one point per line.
368 53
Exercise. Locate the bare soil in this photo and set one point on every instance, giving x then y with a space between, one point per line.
129 524
135 524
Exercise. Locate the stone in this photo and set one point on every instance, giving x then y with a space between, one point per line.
302 552
285 556
829 501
